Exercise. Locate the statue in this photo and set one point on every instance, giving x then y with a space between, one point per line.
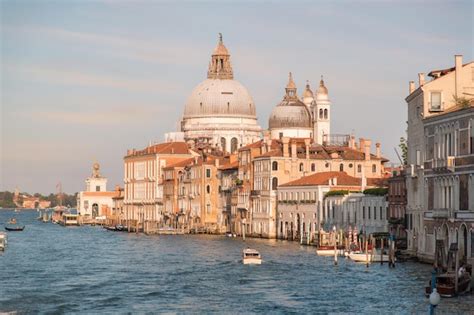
95 170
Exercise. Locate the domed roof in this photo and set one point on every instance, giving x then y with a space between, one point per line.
322 93
220 94
307 91
220 97
291 112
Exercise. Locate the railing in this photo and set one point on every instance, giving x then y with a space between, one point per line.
254 193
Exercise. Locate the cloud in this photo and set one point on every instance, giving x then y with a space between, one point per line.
80 78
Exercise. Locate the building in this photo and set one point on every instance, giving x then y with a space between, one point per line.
95 201
440 189
306 205
397 206
220 110
143 183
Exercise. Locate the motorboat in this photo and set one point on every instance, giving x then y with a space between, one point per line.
328 250
15 228
251 257
445 284
363 257
3 241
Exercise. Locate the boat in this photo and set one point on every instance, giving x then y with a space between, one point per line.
69 219
368 257
15 228
445 284
12 221
3 241
328 250
251 257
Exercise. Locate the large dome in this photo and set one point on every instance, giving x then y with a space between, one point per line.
215 97
291 112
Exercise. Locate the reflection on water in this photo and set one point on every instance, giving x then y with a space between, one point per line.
48 268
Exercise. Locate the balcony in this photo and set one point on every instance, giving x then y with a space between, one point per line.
464 215
437 214
254 193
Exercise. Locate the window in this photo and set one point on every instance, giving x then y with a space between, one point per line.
208 172
325 114
341 167
375 213
359 168
435 101
274 183
275 166
223 143
368 211
321 113
208 189
313 167
97 188
280 135
363 213
301 167
351 165
381 213
374 168
233 145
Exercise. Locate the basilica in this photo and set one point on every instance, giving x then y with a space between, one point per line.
220 111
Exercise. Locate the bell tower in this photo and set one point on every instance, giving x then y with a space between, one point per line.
220 66
321 114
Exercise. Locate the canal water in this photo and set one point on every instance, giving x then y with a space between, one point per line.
51 269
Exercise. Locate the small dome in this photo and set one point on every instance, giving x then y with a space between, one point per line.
290 114
220 97
322 93
307 91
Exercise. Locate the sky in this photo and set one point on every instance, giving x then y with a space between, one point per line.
85 81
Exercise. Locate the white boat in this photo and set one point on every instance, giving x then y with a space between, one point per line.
251 257
3 241
365 258
327 250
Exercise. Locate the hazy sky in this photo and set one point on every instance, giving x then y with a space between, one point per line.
85 81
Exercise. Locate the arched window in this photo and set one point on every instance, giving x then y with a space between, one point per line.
274 183
359 168
341 167
233 145
208 189
313 167
223 143
274 166
326 114
301 167
374 168
320 113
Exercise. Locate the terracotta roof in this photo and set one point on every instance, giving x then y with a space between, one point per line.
323 179
181 163
229 166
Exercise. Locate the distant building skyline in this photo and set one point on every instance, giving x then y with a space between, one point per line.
86 81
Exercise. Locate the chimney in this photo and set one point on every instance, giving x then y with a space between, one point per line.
367 149
411 86
361 144
306 145
285 141
457 75
352 142
421 79
377 150
269 145
293 150
263 147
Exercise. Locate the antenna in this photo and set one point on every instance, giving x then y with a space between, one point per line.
399 158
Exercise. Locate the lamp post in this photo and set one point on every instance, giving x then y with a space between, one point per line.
434 296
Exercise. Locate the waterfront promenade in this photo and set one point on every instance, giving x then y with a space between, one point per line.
49 268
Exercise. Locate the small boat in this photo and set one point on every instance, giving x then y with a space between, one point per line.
3 241
328 250
228 234
445 284
12 221
365 258
251 257
15 228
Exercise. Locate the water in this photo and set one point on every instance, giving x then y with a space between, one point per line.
51 269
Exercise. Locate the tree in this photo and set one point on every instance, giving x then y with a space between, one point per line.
404 148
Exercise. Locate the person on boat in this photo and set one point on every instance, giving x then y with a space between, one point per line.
461 271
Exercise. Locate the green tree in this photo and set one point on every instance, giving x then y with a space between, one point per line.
404 148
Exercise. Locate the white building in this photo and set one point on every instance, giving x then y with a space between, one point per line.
95 200
220 109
